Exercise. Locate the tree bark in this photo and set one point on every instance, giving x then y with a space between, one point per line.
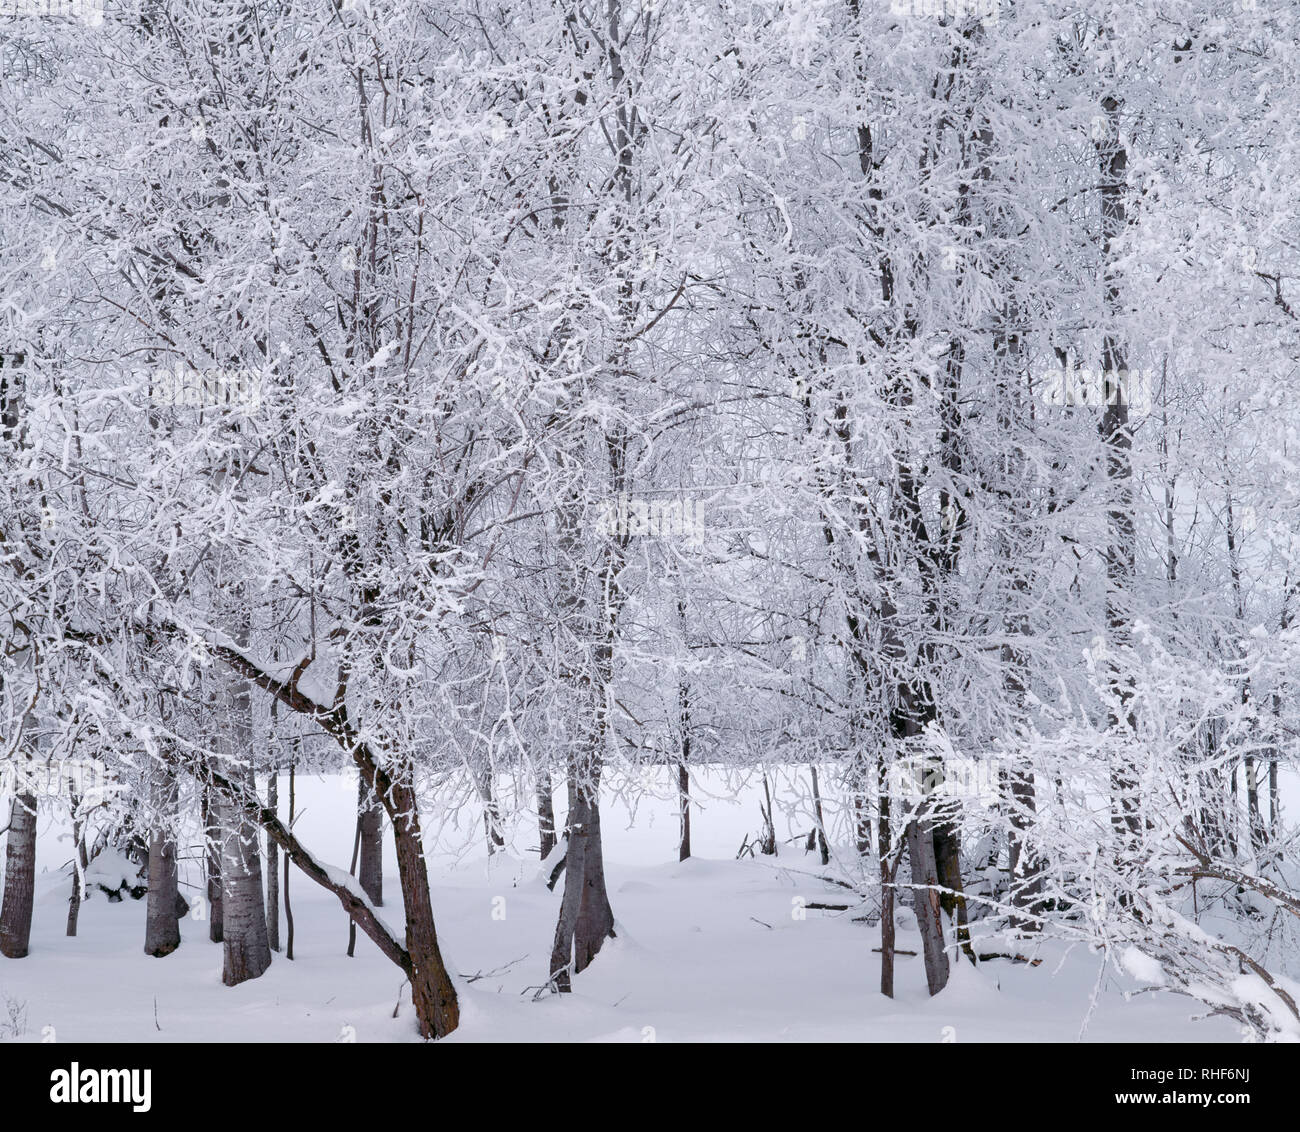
212 866
545 814
432 992
370 816
925 878
80 860
288 907
162 933
887 892
272 868
1117 439
20 877
247 952
684 775
586 918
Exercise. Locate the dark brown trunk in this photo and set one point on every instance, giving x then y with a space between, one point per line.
432 993
370 815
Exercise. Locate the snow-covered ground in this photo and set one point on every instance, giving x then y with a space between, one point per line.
709 950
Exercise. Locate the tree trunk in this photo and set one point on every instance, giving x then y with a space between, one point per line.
212 865
925 878
491 811
162 933
822 847
432 992
20 877
684 807
288 907
20 852
1117 438
80 860
545 814
371 828
272 867
684 774
947 858
887 892
247 952
586 918
767 846
352 872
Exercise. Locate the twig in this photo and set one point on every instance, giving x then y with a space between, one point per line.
488 974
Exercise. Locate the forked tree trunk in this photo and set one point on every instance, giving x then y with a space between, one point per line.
586 918
432 991
908 723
